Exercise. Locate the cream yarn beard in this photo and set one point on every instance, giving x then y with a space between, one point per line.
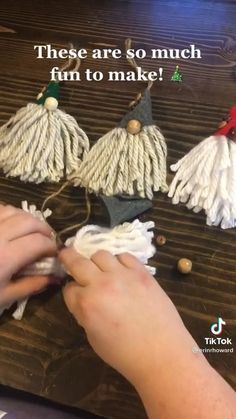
130 159
125 163
134 238
38 144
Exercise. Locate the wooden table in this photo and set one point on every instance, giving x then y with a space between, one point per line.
46 353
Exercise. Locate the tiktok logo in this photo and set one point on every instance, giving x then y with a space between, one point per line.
212 343
216 328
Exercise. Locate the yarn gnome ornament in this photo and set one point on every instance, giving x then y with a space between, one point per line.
131 158
41 142
205 178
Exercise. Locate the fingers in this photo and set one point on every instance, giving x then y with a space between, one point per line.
85 270
105 261
22 224
82 269
23 288
25 250
129 261
72 294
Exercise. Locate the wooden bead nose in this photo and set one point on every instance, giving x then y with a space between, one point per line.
134 126
51 103
222 124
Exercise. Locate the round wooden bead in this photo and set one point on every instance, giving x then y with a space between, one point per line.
134 126
160 240
184 266
222 124
51 103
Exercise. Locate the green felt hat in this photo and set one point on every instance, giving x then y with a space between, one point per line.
52 90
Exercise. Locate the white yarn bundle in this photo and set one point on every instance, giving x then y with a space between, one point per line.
125 163
46 266
42 143
206 180
135 238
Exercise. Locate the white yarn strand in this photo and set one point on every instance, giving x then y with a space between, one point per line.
140 174
133 160
160 150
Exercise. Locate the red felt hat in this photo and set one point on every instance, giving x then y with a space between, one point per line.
230 124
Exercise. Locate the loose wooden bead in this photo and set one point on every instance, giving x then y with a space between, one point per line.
160 240
184 266
133 126
51 103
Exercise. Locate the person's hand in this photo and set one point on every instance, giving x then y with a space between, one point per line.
128 318
132 324
23 240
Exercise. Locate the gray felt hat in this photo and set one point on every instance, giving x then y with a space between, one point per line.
142 111
123 208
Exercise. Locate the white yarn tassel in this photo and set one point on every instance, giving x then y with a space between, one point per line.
38 144
40 267
206 180
125 163
134 238
32 209
46 266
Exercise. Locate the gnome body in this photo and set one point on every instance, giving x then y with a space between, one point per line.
130 159
206 177
40 142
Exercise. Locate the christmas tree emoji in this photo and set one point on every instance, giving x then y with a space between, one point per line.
177 76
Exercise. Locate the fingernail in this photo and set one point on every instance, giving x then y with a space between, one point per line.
53 235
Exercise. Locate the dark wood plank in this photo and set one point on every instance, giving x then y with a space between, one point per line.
47 354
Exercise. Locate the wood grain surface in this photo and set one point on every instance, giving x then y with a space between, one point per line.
46 353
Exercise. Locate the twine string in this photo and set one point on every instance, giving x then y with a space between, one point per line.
74 226
133 64
67 65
